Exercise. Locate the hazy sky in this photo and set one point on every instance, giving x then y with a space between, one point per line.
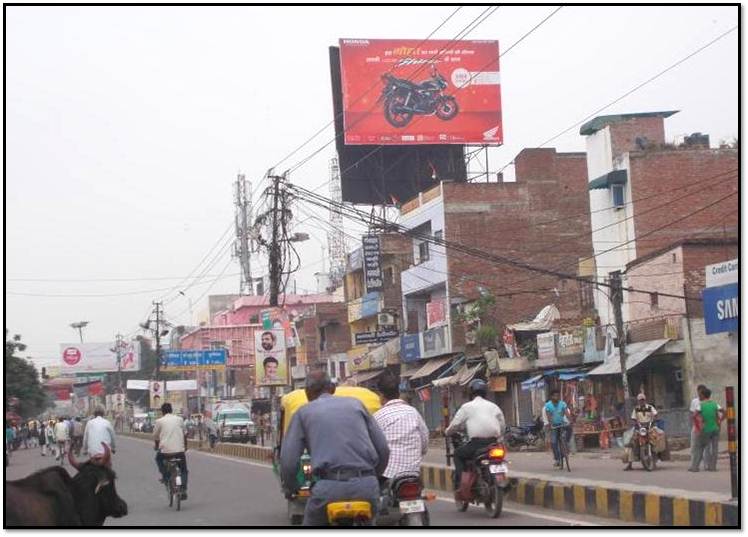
126 127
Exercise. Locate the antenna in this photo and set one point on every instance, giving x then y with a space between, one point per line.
243 219
335 237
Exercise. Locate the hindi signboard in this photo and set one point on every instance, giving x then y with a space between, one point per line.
372 263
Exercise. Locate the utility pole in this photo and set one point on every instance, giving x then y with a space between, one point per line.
616 297
118 345
274 263
243 217
158 338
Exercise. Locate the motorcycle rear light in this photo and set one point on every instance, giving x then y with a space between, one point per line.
409 491
307 469
497 453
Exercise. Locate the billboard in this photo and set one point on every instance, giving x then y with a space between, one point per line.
389 174
425 92
98 357
270 357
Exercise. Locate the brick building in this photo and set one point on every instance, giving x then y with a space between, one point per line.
375 317
324 339
541 219
645 194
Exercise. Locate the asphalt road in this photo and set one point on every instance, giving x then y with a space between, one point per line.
235 492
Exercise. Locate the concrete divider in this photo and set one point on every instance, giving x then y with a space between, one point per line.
619 502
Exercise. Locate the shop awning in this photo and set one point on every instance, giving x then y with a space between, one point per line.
365 376
636 353
542 321
616 177
532 382
430 367
467 373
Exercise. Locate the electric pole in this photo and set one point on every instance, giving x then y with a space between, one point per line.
243 217
274 263
158 339
616 297
119 345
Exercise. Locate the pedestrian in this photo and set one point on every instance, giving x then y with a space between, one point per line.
43 439
697 451
50 432
98 431
61 439
710 419
9 436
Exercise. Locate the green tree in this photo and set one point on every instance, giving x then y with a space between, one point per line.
22 380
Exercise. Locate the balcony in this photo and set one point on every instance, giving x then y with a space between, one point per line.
365 306
427 344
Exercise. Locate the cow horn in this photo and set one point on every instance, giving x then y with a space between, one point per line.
107 454
71 458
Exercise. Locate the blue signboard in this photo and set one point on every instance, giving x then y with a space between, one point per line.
410 347
721 308
202 358
370 304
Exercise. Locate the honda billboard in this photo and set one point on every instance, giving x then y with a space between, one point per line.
411 92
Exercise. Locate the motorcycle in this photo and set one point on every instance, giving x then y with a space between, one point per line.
647 455
402 502
485 479
403 99
528 435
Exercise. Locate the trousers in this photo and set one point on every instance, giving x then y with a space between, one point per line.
554 441
466 452
161 464
326 491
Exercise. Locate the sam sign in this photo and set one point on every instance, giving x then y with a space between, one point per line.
413 92
721 297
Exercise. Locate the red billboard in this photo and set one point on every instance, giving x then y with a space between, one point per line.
411 92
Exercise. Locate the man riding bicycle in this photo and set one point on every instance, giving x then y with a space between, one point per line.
170 438
558 419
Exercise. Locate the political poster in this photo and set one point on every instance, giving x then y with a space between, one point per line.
270 357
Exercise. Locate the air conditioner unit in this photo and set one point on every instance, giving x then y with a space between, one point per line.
385 319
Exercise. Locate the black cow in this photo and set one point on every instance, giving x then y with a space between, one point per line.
50 497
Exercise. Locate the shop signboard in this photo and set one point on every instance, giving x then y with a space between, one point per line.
571 342
464 108
721 297
410 347
546 349
370 338
435 341
436 313
372 263
497 384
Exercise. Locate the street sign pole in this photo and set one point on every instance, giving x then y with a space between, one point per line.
732 443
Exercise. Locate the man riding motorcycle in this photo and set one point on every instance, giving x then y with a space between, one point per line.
484 422
643 414
346 446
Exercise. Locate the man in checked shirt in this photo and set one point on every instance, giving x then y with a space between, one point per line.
403 427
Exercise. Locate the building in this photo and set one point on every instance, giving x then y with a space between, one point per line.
645 194
324 340
457 305
375 317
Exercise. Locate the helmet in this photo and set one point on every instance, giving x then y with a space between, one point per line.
478 385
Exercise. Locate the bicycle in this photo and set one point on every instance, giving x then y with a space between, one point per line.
563 446
174 482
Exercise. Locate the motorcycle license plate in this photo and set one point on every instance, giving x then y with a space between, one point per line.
498 468
412 506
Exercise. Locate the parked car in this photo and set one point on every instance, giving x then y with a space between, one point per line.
235 425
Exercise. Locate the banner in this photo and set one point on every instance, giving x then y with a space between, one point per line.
380 336
372 264
138 384
181 385
436 313
98 357
425 92
270 357
546 348
156 388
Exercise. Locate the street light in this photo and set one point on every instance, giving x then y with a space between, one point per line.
80 325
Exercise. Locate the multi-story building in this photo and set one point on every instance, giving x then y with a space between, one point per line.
541 219
374 318
324 340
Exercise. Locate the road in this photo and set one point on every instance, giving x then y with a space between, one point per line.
235 492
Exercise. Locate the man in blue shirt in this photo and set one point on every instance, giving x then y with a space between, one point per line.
557 415
347 448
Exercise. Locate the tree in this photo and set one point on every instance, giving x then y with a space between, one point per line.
22 380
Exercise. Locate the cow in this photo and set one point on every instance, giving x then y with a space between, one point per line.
50 497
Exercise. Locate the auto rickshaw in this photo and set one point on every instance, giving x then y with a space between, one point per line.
290 403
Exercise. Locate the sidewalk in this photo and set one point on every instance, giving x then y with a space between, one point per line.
605 469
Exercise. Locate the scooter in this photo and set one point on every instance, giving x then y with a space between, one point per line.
485 479
403 99
403 503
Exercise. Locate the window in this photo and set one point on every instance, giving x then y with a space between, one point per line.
332 369
389 275
254 319
675 258
322 339
438 235
654 300
618 193
341 370
586 298
423 252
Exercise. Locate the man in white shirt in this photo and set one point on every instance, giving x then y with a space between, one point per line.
694 410
62 436
98 430
484 422
170 437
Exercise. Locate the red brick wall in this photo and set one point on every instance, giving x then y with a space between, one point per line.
623 135
661 176
337 335
511 220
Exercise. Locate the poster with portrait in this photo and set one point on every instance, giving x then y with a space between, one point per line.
270 357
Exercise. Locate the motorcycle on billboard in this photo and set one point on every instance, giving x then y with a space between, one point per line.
403 99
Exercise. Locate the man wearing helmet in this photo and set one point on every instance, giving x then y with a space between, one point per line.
484 422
